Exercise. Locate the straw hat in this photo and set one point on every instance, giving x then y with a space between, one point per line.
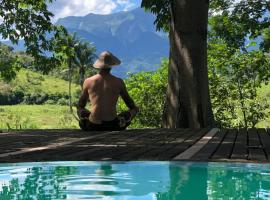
106 60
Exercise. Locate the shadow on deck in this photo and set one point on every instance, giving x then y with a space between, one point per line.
231 145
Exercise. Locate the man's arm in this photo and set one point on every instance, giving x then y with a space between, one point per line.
128 100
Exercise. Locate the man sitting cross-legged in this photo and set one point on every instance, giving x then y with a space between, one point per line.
103 91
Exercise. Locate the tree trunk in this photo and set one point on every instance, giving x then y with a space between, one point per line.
82 74
188 101
69 85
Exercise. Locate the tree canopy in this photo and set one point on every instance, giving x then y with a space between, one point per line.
30 21
232 20
8 65
235 21
238 24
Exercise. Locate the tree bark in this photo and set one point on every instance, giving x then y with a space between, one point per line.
69 85
188 101
82 74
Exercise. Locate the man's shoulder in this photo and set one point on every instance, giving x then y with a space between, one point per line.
115 78
91 78
120 80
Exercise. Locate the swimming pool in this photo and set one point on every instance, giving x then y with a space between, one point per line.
134 180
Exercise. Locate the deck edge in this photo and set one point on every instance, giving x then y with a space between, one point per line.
187 154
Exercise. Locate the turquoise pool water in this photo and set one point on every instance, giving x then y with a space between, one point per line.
134 180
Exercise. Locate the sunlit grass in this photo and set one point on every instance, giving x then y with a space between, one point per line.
33 82
36 117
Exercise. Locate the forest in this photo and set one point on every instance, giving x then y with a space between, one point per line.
40 89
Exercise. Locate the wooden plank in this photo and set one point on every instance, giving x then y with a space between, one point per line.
187 154
154 143
225 149
51 146
255 149
163 138
24 142
169 147
141 144
178 145
89 147
80 148
211 147
240 150
132 140
265 141
38 156
28 139
67 151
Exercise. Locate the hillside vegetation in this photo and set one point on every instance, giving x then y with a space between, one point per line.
36 117
146 88
264 93
34 88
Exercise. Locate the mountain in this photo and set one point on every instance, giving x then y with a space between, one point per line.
130 35
17 47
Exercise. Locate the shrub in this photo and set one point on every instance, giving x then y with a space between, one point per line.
62 101
148 89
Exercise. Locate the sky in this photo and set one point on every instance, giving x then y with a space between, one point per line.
64 8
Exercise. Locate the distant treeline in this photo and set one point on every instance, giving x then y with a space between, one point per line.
19 97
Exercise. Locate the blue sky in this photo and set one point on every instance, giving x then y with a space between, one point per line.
63 8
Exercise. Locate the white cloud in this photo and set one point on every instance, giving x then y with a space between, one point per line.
126 4
64 8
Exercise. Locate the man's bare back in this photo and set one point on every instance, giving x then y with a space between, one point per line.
103 91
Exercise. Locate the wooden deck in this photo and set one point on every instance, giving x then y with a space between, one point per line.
230 145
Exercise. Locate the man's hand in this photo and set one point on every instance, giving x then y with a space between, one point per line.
134 112
83 113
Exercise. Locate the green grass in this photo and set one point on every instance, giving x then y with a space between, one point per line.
36 117
264 91
33 82
54 116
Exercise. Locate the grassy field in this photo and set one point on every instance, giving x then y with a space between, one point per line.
36 117
47 117
56 116
32 82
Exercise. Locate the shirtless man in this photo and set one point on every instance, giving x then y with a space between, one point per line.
103 91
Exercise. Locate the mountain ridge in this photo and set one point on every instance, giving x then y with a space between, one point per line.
130 35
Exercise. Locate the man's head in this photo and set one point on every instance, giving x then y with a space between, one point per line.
106 61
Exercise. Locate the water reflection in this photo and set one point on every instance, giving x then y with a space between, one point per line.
187 181
133 180
33 182
240 182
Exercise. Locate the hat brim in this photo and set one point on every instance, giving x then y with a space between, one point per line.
100 64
